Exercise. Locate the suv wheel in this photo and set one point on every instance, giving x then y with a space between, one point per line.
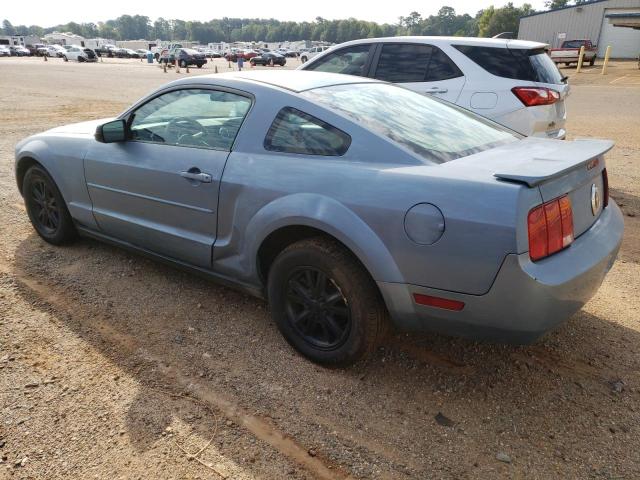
325 304
46 208
183 64
65 58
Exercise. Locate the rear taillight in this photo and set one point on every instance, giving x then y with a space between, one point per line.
550 227
533 96
605 187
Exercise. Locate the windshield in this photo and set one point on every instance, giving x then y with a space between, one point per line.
433 129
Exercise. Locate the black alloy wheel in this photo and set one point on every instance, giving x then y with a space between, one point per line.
317 309
325 303
44 206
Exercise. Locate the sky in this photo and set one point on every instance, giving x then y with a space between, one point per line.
48 13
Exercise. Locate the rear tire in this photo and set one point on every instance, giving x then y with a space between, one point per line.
46 207
592 61
65 58
325 303
183 64
303 59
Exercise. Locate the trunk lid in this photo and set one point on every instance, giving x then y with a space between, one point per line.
566 168
553 167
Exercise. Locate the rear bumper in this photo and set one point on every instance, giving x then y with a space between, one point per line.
526 299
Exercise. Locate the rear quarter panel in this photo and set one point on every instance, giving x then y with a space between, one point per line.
362 199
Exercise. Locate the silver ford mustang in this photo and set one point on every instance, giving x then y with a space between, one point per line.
350 204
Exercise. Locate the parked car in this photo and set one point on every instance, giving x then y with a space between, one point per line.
312 52
187 57
268 58
56 51
80 54
142 53
130 53
343 201
105 50
42 50
157 50
245 54
34 49
512 82
18 51
4 51
569 52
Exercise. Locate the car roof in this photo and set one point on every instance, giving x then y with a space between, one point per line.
293 80
479 42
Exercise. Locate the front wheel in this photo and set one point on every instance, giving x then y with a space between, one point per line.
46 207
303 59
199 65
65 58
183 64
592 61
325 304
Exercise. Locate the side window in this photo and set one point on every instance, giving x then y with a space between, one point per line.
441 67
350 61
401 62
501 62
294 131
191 118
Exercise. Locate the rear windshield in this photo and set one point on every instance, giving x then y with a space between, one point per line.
533 65
573 44
433 129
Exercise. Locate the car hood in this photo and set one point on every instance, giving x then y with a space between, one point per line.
81 128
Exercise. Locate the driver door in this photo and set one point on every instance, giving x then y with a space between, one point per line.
159 189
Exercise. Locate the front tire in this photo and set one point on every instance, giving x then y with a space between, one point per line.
65 58
592 61
183 64
46 207
325 304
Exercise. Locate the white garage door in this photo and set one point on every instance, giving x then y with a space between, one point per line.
625 42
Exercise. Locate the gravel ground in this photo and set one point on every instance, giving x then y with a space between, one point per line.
113 366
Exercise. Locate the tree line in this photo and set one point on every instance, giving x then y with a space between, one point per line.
486 23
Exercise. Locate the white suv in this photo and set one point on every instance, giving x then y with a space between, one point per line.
312 52
512 82
80 54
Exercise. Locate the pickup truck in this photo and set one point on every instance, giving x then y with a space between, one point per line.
570 50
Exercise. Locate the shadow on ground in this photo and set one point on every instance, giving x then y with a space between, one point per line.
199 350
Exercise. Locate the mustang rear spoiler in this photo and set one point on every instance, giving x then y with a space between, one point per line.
535 170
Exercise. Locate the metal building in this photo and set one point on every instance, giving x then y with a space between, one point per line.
604 22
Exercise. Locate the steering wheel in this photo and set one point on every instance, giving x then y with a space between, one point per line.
179 127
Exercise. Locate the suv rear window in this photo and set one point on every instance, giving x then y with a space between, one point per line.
520 64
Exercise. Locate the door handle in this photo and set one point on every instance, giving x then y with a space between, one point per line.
197 175
437 90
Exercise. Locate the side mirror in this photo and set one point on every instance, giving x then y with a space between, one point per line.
111 132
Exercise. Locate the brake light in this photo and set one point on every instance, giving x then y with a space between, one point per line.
533 96
550 227
605 187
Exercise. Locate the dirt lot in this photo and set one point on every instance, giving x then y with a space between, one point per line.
113 366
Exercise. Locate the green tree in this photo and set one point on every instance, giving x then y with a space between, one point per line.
7 28
553 4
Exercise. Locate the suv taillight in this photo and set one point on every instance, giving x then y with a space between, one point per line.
533 96
550 227
605 187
